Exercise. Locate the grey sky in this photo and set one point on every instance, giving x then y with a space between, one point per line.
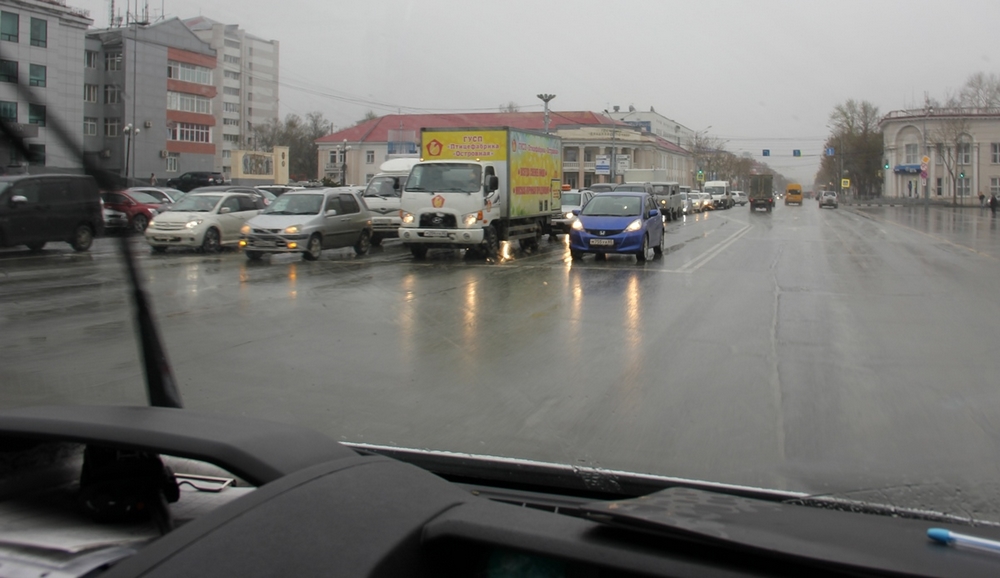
762 74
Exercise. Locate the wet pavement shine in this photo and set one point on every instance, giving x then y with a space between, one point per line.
848 352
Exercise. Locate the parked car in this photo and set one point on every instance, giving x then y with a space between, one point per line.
208 220
597 188
740 198
572 200
278 190
131 209
828 199
618 222
308 222
37 209
196 179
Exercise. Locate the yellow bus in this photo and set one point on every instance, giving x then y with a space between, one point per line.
793 194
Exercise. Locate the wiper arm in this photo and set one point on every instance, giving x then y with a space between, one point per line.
415 189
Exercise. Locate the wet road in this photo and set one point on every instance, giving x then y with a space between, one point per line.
846 352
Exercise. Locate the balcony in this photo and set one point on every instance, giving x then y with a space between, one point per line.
571 166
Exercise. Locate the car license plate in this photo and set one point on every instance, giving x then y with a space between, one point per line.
382 221
435 233
602 241
264 244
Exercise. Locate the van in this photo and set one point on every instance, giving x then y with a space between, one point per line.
37 209
383 197
793 194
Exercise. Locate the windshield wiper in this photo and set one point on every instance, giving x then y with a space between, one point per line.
415 189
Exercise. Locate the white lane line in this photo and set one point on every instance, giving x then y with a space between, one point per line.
700 260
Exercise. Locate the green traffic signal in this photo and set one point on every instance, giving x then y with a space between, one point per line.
961 175
886 165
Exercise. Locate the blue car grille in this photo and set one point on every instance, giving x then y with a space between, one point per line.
604 232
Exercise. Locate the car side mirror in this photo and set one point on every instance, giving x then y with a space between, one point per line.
654 213
576 212
224 210
18 200
331 213
492 183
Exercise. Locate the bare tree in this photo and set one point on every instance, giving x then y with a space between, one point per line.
511 106
981 91
951 141
857 140
300 138
370 115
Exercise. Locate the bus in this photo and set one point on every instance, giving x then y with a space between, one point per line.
793 194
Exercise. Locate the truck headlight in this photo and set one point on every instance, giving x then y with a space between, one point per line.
634 225
568 215
577 225
245 229
470 219
406 217
292 230
194 223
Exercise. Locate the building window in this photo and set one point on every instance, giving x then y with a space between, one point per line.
965 153
8 26
36 155
227 154
938 153
995 153
912 154
8 111
571 155
230 91
343 157
188 132
39 32
112 94
36 75
939 186
231 74
369 177
113 61
89 126
36 114
588 156
8 71
231 107
231 59
231 121
173 161
90 58
112 126
964 187
90 93
333 158
232 44
249 96
233 138
189 72
188 103
995 186
369 157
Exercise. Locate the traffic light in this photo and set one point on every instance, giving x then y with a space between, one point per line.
885 164
700 172
961 175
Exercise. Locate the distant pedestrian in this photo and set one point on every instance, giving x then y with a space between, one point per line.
993 204
152 179
982 199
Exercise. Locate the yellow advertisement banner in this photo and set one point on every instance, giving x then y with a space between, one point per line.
464 145
535 174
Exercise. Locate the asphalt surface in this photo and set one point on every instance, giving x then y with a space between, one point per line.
848 352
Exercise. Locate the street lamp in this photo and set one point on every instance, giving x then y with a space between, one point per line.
546 98
342 151
129 131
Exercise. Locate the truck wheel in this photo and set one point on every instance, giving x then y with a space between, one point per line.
491 242
419 252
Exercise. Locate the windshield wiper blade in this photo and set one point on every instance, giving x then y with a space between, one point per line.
415 189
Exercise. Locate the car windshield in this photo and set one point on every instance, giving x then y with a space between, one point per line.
200 203
296 204
144 197
612 205
854 361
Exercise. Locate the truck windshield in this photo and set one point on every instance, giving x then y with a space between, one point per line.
446 177
385 186
715 190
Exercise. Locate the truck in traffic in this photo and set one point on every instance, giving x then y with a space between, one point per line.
761 192
382 195
721 197
476 187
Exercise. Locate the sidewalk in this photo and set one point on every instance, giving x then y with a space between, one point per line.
969 227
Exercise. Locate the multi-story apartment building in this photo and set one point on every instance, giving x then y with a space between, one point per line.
42 47
655 123
247 84
149 99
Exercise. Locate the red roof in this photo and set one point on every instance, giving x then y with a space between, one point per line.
377 130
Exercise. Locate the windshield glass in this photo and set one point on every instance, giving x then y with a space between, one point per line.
144 197
450 177
385 186
631 188
855 360
612 205
296 204
200 203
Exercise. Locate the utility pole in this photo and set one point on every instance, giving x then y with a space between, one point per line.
546 98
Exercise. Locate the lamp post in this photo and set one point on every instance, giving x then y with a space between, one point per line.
546 98
342 151
928 110
129 131
699 149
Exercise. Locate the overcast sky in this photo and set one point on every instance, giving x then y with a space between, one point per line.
761 74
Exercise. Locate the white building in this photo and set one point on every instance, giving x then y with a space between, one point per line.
962 146
655 123
247 84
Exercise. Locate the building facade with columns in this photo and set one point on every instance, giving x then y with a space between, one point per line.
353 155
961 145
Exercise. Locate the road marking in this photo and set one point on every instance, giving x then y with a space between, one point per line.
701 260
926 234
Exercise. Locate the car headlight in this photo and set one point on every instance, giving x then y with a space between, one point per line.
577 224
152 224
406 217
569 215
245 229
292 230
634 225
194 223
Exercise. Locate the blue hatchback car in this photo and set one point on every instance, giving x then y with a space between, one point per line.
624 222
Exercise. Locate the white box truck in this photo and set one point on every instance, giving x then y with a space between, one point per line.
476 187
382 195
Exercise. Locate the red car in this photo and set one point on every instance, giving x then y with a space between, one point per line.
131 209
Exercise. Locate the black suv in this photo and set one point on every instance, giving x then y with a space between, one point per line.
196 179
36 209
